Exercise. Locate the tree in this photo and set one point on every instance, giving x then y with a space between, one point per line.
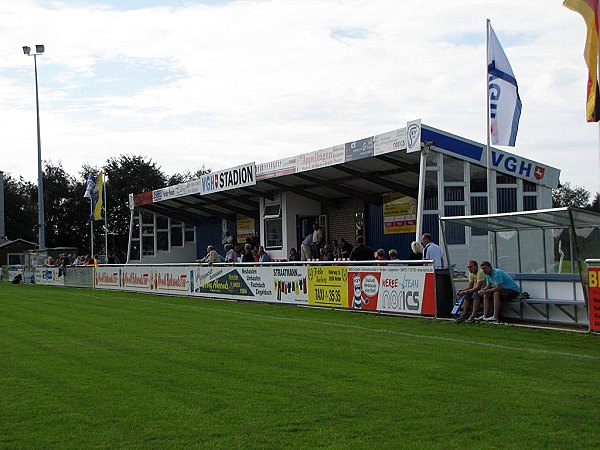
20 209
186 176
127 175
65 210
595 205
565 195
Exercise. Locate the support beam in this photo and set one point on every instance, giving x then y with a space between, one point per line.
373 199
377 178
299 190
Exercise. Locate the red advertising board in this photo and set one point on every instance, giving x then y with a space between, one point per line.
594 298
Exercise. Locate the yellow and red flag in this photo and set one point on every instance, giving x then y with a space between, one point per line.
589 11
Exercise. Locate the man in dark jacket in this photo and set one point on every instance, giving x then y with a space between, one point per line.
361 252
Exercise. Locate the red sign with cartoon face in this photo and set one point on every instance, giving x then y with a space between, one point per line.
363 290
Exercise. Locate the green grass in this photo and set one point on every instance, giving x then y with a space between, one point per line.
82 369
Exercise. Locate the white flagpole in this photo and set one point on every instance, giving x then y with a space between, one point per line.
105 219
491 209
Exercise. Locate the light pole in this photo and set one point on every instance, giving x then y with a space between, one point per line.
39 50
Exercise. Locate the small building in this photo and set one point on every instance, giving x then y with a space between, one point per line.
388 188
14 252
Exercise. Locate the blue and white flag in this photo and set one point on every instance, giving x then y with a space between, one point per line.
503 95
91 184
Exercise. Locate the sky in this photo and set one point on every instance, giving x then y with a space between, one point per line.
223 83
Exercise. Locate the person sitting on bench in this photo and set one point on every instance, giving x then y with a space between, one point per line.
498 285
471 292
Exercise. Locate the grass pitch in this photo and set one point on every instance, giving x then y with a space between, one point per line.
83 369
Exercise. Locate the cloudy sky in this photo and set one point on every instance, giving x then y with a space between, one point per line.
222 83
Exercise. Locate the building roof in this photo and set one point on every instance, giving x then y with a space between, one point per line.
363 169
14 241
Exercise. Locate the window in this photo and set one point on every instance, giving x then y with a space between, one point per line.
455 233
431 190
273 225
454 193
272 211
273 228
507 199
15 259
134 248
529 196
479 205
147 234
189 233
453 169
478 179
176 233
162 233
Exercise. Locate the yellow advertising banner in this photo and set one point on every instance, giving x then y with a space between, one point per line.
328 286
399 214
245 227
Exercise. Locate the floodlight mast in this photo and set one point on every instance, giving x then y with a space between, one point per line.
39 50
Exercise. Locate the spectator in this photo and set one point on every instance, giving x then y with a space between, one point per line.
361 252
306 247
317 240
471 292
380 255
416 251
293 256
263 255
346 248
248 256
229 253
499 286
211 255
432 251
336 248
327 253
393 254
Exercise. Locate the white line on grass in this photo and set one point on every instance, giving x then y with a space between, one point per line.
376 330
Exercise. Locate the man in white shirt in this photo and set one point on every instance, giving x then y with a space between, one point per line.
432 251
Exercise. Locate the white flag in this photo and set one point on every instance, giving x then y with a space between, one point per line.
503 95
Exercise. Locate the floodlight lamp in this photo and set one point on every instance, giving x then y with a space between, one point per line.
39 48
26 50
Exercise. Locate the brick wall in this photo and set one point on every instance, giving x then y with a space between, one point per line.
340 219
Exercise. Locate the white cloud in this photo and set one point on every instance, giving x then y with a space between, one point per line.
259 80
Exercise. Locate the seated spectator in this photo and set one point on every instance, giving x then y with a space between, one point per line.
393 254
248 256
229 253
293 256
498 286
361 252
336 248
471 292
327 253
380 255
211 255
346 248
263 256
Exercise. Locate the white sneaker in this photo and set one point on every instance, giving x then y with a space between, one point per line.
480 318
490 319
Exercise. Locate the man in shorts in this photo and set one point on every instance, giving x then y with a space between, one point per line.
471 292
498 286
